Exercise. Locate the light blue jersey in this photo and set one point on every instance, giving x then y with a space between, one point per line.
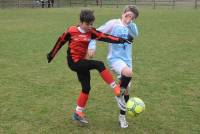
118 51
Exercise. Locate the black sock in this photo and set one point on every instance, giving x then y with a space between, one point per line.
126 98
122 112
125 81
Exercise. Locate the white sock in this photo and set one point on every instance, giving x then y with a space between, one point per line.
113 84
79 109
121 115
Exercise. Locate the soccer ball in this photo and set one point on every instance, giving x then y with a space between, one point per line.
135 106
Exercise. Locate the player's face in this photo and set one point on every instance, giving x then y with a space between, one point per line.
128 17
86 26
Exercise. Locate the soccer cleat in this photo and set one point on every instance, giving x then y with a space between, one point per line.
117 90
79 116
122 121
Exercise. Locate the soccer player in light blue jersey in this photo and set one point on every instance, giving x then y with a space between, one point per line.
120 55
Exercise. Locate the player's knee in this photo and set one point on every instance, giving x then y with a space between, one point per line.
100 66
127 72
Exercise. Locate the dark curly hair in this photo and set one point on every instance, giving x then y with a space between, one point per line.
87 16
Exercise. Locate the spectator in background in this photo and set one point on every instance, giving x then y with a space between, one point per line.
42 1
50 3
99 2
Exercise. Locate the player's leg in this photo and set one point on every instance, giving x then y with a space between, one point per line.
84 66
125 73
84 79
104 73
126 76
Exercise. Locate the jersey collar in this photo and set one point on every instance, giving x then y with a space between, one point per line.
81 30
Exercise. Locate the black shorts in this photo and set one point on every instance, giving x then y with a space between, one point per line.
83 67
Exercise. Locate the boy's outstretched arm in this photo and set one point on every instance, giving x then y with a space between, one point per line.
107 38
105 28
60 42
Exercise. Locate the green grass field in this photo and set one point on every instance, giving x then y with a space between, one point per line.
39 98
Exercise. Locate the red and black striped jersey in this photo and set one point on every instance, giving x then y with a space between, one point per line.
79 41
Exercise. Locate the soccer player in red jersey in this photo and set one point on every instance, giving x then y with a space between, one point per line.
79 38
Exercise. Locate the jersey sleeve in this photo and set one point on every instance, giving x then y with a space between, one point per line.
106 37
133 30
106 28
59 43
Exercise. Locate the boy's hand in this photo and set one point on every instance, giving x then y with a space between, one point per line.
91 53
124 41
49 57
130 38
